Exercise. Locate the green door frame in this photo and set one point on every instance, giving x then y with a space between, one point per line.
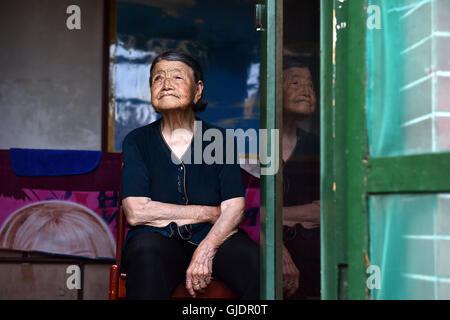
332 239
344 151
348 174
271 119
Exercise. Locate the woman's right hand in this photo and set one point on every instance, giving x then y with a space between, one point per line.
198 274
290 274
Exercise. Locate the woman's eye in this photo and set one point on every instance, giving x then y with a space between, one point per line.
157 79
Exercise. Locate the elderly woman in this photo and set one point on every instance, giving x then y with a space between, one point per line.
184 215
301 179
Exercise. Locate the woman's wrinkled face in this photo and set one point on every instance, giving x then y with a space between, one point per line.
298 91
173 86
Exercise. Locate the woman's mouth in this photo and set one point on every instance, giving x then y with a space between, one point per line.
168 95
301 99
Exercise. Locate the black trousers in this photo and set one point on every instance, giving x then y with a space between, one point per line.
156 265
304 247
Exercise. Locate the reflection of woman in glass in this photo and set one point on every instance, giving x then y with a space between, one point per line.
301 176
58 227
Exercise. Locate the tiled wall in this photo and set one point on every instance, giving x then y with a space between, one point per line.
410 242
409 113
425 86
408 62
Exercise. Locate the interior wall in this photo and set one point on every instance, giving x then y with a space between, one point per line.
301 39
50 76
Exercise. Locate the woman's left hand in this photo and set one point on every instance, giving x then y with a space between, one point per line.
290 274
198 274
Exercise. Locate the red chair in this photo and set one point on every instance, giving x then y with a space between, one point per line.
117 278
217 289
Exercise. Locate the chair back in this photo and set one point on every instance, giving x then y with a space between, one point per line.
121 222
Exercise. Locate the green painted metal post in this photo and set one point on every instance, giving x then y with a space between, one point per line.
357 148
271 185
344 150
329 274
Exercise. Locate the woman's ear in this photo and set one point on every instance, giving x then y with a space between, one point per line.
199 91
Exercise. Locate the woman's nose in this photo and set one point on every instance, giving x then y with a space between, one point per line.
167 84
301 89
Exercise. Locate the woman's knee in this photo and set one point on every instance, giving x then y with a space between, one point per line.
245 249
237 264
149 264
140 247
154 250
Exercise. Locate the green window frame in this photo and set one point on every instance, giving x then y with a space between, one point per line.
348 175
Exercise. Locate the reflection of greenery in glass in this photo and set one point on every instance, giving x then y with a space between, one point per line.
384 70
400 87
403 243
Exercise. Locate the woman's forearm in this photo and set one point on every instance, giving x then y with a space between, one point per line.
232 214
306 213
144 211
